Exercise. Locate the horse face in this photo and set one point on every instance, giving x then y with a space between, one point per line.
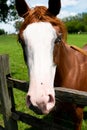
39 44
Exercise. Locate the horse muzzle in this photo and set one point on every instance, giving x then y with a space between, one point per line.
41 105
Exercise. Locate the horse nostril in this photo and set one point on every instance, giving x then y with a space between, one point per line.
28 101
51 99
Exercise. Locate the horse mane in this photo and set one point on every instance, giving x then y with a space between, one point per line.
79 49
42 14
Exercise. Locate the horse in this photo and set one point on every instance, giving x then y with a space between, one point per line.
50 60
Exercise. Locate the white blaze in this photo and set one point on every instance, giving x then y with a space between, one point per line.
39 40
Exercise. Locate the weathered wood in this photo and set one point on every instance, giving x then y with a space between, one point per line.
5 59
64 94
1 128
36 122
0 107
9 123
19 84
71 96
85 115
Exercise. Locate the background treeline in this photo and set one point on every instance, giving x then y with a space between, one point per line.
76 24
2 31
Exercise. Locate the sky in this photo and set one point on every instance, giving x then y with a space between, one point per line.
68 8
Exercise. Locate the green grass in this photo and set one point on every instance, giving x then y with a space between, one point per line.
78 40
9 45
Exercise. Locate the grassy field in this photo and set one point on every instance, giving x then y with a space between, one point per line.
9 45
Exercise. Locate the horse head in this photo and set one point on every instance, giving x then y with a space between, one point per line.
38 35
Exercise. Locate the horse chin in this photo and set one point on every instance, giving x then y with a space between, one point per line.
36 110
39 111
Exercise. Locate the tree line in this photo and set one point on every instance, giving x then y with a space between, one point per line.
76 23
8 12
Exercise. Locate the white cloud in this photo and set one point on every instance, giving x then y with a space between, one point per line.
69 2
65 3
66 14
82 6
7 27
72 7
33 3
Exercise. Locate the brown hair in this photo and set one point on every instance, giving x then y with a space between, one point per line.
41 14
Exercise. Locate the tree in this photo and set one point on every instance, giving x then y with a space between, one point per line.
17 25
76 23
7 10
2 32
3 10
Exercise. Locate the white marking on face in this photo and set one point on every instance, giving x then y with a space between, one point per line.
39 41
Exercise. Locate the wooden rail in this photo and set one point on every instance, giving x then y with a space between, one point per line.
67 95
7 103
9 123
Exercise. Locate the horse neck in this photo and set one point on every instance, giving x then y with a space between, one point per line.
66 60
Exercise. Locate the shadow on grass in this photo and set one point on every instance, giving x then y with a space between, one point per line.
1 128
47 118
85 115
32 128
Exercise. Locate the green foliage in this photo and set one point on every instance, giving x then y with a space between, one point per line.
7 10
2 31
17 25
9 45
3 10
76 23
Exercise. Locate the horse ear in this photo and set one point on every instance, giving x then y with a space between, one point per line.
22 7
54 6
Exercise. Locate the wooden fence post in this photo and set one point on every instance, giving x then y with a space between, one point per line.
6 105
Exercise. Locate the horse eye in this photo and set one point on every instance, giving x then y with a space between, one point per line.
21 41
59 38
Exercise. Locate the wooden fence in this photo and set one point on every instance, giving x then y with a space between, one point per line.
7 102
